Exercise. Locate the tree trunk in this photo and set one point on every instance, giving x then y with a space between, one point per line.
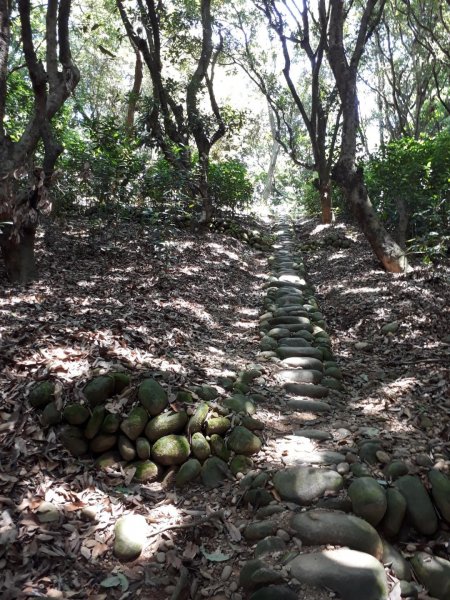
203 187
18 254
326 202
389 253
135 92
403 221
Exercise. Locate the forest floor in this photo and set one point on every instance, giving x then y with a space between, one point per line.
184 309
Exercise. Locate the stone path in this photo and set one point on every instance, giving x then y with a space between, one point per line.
331 526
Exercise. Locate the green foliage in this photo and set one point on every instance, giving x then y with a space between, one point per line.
418 173
229 184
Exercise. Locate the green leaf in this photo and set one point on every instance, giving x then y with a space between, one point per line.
215 556
111 581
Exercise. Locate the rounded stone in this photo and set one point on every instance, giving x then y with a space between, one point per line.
270 545
152 396
129 537
219 448
259 530
419 507
303 484
171 450
219 425
126 448
368 499
214 472
99 389
433 572
198 418
146 471
143 448
240 403
50 415
135 423
73 440
241 464
165 424
110 424
395 513
42 394
440 491
188 471
319 526
102 443
76 414
200 447
243 441
395 469
94 425
346 572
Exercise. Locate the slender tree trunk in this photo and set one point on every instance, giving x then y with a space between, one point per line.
326 201
135 92
18 254
403 221
389 253
268 187
207 205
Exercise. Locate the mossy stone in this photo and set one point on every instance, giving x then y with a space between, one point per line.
99 389
146 470
239 403
368 499
433 573
95 423
219 425
50 415
135 423
242 388
102 443
419 507
226 382
258 497
198 418
111 423
214 472
183 396
440 490
143 448
252 424
171 450
268 343
152 396
164 424
200 447
207 392
76 414
241 464
129 537
42 394
395 469
188 471
121 381
243 441
73 440
218 447
395 513
126 448
108 460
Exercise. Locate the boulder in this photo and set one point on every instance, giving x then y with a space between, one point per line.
218 447
75 414
432 572
165 424
135 423
320 526
243 441
73 440
146 471
214 472
395 513
102 443
111 423
440 490
419 507
200 447
42 394
304 484
126 448
171 450
368 499
129 537
99 389
188 471
50 415
240 403
96 420
143 448
152 396
241 464
218 425
198 418
353 575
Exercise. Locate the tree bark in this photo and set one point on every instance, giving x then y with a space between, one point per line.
326 202
403 221
345 173
135 91
18 254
